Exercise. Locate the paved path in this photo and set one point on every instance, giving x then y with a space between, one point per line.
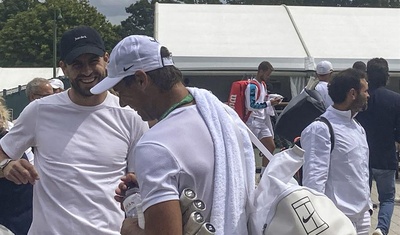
395 225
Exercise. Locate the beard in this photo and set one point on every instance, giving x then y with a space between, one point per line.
360 104
364 107
76 84
80 90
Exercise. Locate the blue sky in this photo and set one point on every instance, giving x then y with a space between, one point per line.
114 10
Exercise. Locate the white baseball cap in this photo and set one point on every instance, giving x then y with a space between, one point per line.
324 67
56 83
133 53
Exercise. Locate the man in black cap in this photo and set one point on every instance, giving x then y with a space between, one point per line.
81 145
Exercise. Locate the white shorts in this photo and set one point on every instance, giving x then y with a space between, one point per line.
260 128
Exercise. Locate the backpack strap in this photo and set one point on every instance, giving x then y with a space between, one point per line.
246 117
332 134
252 81
265 85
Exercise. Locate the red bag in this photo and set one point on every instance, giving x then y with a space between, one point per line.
237 98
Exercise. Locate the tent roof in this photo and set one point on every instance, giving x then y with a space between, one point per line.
13 77
239 37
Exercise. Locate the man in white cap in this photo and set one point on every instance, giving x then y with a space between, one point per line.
57 84
195 143
324 72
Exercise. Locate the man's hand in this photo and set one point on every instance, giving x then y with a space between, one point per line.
276 101
21 172
128 180
130 227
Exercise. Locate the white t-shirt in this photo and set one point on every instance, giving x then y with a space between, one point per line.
28 152
80 155
322 88
175 154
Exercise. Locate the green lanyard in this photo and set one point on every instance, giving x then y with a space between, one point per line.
186 100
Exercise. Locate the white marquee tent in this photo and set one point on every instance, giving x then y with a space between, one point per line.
11 78
209 38
239 37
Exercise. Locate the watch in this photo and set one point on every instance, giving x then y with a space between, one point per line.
4 163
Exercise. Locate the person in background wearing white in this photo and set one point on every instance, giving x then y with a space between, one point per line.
57 84
261 107
343 174
324 72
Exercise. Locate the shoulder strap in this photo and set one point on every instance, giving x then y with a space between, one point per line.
258 87
246 117
326 121
265 84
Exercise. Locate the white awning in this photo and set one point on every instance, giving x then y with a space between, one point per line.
13 77
239 37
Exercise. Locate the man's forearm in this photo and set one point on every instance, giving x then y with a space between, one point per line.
3 156
130 227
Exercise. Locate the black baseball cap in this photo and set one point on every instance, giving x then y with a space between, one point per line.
78 41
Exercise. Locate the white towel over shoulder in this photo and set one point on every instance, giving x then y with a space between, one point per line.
234 169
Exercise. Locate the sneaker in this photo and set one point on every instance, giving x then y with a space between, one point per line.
397 200
377 232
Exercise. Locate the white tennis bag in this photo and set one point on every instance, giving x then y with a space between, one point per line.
5 231
282 207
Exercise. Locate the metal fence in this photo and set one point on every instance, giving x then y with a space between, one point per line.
16 99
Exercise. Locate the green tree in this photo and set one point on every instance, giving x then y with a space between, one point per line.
9 8
27 37
141 20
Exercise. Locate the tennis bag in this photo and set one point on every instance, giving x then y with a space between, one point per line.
282 207
299 113
237 100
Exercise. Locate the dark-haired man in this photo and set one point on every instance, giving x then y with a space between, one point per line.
81 145
195 143
360 66
382 123
341 173
261 107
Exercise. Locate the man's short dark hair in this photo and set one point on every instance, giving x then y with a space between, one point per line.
343 82
265 66
360 66
378 72
164 78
